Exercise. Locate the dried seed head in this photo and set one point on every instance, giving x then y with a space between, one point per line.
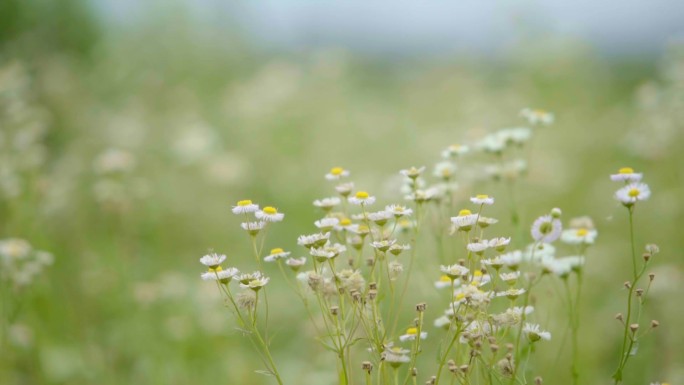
367 366
646 256
494 348
414 372
509 347
421 307
652 248
634 327
463 368
651 277
627 284
491 339
372 294
356 296
538 380
619 317
334 310
639 292
370 261
655 324
373 286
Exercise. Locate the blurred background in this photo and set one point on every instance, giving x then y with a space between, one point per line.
129 128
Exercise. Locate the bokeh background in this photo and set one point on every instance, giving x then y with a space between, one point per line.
128 129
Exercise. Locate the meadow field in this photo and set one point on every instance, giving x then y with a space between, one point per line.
124 153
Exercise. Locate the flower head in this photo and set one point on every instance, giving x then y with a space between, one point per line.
536 116
336 173
534 334
218 274
482 200
276 254
253 228
269 214
633 193
546 229
362 198
256 283
464 221
327 203
244 207
454 271
626 174
579 236
412 172
411 334
212 260
327 224
455 150
398 211
295 263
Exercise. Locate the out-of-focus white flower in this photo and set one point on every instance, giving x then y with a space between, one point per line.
114 160
633 193
212 260
446 281
269 214
579 236
534 334
218 274
546 229
398 210
312 240
336 173
327 224
517 135
344 189
626 174
454 271
411 334
253 228
327 203
444 170
455 150
244 207
536 116
380 217
478 247
412 172
362 198
276 254
296 263
482 199
499 244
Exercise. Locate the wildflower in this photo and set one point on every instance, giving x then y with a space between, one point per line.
397 249
478 247
499 244
517 135
15 248
539 252
482 200
534 334
454 271
362 198
361 230
312 240
455 150
327 203
344 224
244 278
244 207
512 259
395 360
421 196
627 175
383 245
412 172
398 211
495 262
632 193
295 263
344 189
485 222
256 283
218 274
446 281
395 268
444 170
269 214
464 221
510 278
411 334
326 224
442 322
480 279
492 143
406 224
537 116
212 260
546 229
336 173
253 228
380 217
579 236
511 293
276 254
246 299
327 252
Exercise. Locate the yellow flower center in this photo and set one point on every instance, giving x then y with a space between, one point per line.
337 171
345 222
634 192
539 112
582 232
477 273
481 196
455 147
245 202
412 331
362 195
445 278
270 210
626 170
460 296
215 270
364 228
277 250
464 212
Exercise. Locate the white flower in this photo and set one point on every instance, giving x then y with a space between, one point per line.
380 217
534 334
395 360
269 214
484 222
442 322
499 244
276 254
223 276
253 227
517 135
492 143
345 224
495 262
632 193
454 271
546 229
626 174
539 252
535 117
361 198
420 196
411 334
383 245
344 189
455 150
295 263
579 236
482 200
478 247
244 207
511 293
327 203
312 240
327 224
397 249
362 230
212 260
336 173
321 254
510 278
398 210
464 221
15 248
445 281
412 172
511 259
256 283
444 170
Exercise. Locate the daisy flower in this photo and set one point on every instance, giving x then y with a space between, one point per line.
511 259
253 228
495 262
627 175
344 224
484 222
327 203
269 214
336 173
397 249
492 143
632 193
411 334
446 281
344 189
511 293
312 240
276 254
444 170
478 247
420 196
327 224
534 334
361 198
295 263
454 271
218 274
398 211
482 199
510 278
536 116
464 221
412 172
380 217
256 283
517 135
455 150
212 260
244 207
395 360
442 322
539 252
499 244
383 245
322 254
546 229
579 236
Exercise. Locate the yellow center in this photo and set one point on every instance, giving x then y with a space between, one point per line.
277 250
445 278
634 192
362 195
582 232
396 349
540 112
455 147
412 331
477 273
464 212
364 228
245 202
626 170
215 270
345 222
460 296
446 172
337 171
481 196
270 210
